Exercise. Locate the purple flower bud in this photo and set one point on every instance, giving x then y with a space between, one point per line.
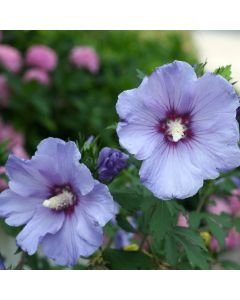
122 239
110 163
2 267
238 114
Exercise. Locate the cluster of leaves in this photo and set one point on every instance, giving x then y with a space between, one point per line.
167 245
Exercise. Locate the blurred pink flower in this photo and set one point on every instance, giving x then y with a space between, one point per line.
10 58
38 75
234 203
182 221
214 244
42 57
236 192
232 240
85 57
219 206
15 146
4 91
3 182
14 138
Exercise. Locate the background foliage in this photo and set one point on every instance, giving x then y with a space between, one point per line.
78 102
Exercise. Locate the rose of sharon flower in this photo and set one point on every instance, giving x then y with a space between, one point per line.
63 207
42 57
10 58
4 91
110 163
85 57
174 122
38 75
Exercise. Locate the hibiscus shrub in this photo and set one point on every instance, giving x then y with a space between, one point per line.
158 190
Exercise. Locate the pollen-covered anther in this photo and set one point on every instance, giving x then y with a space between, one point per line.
176 129
60 201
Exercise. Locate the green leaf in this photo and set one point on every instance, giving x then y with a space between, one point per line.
194 247
225 72
159 217
230 265
217 231
4 151
128 199
112 127
124 260
194 219
200 68
190 235
224 220
171 249
140 74
237 224
161 221
124 224
196 256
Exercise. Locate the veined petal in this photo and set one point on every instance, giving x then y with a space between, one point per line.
45 221
50 146
213 95
81 179
66 246
168 87
170 174
17 210
21 172
139 140
99 204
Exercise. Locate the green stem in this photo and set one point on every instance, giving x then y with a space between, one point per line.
143 241
204 197
21 262
201 203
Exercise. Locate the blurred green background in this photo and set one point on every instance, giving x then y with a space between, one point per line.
78 102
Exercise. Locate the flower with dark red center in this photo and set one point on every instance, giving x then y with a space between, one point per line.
63 207
174 122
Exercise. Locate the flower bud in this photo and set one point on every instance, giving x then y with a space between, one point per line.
110 163
2 267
